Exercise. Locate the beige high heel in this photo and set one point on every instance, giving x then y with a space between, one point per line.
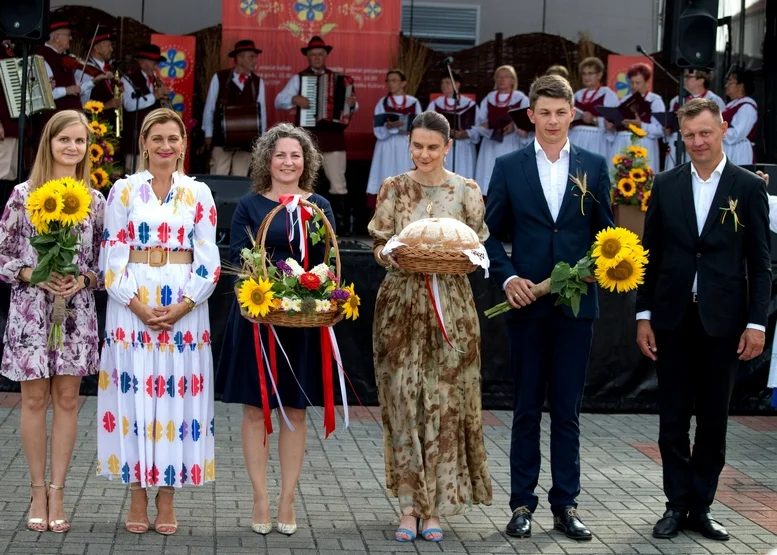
287 529
59 526
166 529
37 524
136 527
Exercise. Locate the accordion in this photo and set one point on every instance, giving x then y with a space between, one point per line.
39 97
327 95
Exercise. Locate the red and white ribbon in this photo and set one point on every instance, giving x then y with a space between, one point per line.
300 216
340 372
434 296
283 351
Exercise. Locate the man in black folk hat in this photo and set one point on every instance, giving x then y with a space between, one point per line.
330 136
100 88
238 86
142 94
66 91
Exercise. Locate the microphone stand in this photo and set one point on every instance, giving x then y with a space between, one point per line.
136 95
681 94
22 113
455 111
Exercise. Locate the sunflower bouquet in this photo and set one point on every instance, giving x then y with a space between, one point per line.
616 260
632 175
286 294
102 150
56 209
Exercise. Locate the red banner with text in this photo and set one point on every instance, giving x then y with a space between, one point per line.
363 34
177 74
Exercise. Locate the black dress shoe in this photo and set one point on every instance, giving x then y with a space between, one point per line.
569 522
707 526
669 525
520 523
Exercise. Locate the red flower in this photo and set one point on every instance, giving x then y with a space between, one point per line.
309 281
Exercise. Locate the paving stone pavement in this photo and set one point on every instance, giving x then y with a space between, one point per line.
342 508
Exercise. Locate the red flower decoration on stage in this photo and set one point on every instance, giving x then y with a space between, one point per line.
309 281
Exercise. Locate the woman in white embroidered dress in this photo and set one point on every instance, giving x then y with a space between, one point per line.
161 263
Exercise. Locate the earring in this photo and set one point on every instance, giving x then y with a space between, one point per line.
145 155
444 159
181 156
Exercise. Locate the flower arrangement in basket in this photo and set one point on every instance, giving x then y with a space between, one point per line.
102 150
56 208
632 175
286 294
616 260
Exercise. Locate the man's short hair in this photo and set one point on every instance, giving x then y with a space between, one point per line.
695 107
550 86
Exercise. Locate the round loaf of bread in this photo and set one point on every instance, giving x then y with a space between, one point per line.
439 234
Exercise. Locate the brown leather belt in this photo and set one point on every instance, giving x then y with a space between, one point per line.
157 256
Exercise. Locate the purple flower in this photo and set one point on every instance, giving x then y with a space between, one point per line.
627 163
284 268
340 295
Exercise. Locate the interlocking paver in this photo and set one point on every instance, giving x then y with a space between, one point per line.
342 508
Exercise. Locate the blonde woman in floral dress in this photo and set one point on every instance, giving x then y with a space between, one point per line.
50 374
429 393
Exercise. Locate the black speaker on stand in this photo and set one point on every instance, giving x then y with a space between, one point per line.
690 33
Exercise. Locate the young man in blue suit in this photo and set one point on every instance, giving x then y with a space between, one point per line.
532 197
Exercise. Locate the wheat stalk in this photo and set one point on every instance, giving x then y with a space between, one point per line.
210 59
413 58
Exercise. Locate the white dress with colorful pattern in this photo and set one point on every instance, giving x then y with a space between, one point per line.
155 397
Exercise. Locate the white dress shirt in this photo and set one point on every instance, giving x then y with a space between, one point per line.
213 96
703 194
553 178
142 102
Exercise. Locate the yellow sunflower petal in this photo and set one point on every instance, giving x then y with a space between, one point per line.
75 203
256 296
624 277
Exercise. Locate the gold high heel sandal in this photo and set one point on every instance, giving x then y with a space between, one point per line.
287 529
262 528
166 529
136 527
63 525
37 524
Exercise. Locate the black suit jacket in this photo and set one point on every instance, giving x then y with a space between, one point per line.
733 266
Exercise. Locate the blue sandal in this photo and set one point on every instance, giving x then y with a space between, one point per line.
410 534
427 535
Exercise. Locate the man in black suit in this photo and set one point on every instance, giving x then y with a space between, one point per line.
532 197
702 308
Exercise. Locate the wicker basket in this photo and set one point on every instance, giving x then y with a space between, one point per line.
419 261
298 320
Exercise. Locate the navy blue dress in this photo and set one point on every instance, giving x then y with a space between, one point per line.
237 377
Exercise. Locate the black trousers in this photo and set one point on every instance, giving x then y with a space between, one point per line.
696 375
549 357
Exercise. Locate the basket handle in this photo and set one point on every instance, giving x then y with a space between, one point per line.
330 239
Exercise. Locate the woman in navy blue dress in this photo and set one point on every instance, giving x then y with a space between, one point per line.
285 162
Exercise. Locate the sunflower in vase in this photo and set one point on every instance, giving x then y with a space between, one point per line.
102 150
632 175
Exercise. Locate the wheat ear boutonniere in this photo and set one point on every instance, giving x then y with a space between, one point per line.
731 209
581 184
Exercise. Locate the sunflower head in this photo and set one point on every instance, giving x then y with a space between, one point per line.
645 199
638 151
75 202
351 306
638 175
638 131
627 187
45 204
94 107
617 159
612 244
95 153
100 178
95 127
623 277
256 296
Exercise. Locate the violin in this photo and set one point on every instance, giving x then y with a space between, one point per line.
73 63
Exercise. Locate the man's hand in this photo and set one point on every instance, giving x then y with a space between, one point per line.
751 344
208 142
301 102
351 101
646 339
634 122
518 292
161 92
112 103
759 173
73 90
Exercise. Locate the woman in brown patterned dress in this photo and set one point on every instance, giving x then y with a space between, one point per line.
429 393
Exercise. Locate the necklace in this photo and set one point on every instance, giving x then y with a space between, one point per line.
430 193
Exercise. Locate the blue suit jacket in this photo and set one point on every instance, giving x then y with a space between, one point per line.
517 205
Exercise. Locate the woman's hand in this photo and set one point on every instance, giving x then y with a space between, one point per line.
635 122
69 285
145 314
168 315
25 275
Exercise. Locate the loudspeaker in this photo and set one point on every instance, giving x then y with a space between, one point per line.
226 190
25 19
690 33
